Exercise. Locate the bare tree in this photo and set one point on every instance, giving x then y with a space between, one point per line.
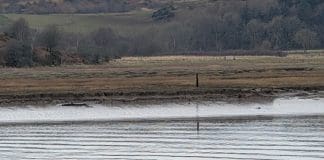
282 30
306 38
100 45
104 37
50 37
20 30
256 32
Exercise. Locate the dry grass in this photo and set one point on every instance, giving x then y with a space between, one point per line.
170 73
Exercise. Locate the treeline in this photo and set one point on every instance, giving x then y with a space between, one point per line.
51 46
222 26
248 25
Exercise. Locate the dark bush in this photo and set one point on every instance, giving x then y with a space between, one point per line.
18 54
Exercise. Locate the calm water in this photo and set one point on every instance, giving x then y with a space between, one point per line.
293 136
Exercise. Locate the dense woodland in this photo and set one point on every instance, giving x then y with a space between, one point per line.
218 26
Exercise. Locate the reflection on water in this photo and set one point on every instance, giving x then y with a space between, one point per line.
279 138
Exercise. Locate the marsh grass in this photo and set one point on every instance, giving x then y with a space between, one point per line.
168 73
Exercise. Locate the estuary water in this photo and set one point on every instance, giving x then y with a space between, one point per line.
287 128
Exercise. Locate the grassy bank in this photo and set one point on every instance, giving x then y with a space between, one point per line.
169 76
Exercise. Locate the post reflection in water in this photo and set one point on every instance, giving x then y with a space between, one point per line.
278 138
197 118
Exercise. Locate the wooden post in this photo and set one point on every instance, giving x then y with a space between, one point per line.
197 80
198 126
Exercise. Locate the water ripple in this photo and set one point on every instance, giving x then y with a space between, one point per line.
273 139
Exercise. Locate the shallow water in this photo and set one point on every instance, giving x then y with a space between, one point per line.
111 112
297 133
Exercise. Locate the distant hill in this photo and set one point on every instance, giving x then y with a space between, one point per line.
154 27
79 6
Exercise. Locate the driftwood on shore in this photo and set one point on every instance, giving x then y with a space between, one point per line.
75 105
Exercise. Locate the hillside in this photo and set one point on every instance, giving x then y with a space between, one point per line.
79 6
181 27
137 16
85 23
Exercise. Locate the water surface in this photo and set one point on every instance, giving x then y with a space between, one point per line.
297 133
279 138
187 110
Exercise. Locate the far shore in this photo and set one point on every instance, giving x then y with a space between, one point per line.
165 78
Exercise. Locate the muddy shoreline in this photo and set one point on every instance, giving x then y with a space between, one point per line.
240 95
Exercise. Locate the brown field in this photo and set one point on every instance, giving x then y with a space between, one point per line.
132 77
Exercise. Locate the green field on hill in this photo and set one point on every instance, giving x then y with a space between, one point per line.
85 23
4 20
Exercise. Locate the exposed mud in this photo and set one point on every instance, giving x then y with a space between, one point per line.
155 96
